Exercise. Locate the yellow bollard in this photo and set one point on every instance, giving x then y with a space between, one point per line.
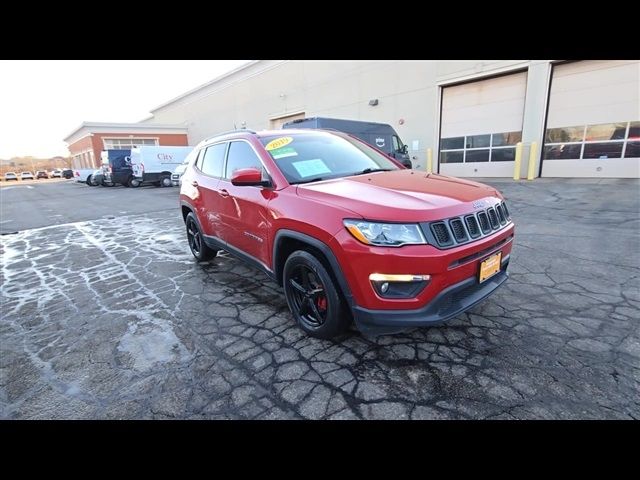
518 161
533 151
429 160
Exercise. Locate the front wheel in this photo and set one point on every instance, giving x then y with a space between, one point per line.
89 180
313 299
198 247
165 181
134 182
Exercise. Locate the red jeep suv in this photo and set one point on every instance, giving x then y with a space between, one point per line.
350 234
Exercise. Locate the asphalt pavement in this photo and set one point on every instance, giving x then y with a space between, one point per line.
112 318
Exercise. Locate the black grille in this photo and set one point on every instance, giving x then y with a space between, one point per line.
493 218
501 216
441 233
484 222
506 210
472 226
458 230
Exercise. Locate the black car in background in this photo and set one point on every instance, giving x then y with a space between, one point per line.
67 173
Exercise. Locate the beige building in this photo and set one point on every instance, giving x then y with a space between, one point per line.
583 116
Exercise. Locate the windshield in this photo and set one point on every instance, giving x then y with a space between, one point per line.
310 157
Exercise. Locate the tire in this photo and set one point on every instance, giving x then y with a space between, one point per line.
165 181
314 301
133 182
89 180
199 249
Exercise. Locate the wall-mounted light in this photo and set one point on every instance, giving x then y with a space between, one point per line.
373 102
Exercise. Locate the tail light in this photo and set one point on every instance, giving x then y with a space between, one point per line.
77 173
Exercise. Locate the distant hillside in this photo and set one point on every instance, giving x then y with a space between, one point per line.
28 163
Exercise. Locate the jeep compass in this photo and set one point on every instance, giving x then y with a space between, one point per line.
350 234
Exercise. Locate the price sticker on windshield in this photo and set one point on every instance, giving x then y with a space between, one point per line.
278 143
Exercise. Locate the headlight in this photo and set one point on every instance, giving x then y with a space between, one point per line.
385 234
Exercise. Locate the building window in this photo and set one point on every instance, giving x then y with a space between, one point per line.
602 141
487 147
128 143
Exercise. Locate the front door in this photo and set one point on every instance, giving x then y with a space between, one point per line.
244 209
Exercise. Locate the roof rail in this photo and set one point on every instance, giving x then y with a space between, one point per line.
228 132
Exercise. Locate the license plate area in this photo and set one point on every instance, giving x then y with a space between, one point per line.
490 266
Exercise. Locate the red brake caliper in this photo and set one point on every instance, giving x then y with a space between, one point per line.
322 303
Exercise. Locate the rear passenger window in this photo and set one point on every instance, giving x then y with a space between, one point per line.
198 162
213 160
241 155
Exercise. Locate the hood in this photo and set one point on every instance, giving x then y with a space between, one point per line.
402 195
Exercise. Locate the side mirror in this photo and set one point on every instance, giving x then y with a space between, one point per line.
248 177
405 149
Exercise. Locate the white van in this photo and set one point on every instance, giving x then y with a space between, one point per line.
155 165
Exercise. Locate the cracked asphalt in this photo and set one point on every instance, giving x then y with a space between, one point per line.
112 318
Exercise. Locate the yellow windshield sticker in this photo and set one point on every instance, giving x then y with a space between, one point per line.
278 143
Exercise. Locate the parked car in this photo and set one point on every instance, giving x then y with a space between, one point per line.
56 173
10 176
176 176
41 174
26 176
346 231
66 173
82 175
96 178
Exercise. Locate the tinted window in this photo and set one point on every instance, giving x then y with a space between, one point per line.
477 156
634 131
198 161
241 155
213 160
503 154
607 131
509 138
451 157
562 152
310 156
564 134
454 142
633 150
602 150
478 141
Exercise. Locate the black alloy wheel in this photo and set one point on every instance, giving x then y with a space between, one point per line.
313 299
198 247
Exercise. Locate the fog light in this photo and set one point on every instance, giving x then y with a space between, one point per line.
398 285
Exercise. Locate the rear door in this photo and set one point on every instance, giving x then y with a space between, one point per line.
244 211
207 172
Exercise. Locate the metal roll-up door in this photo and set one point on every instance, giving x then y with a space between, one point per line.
480 125
593 124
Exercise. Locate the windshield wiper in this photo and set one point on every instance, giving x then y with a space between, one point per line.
372 170
317 179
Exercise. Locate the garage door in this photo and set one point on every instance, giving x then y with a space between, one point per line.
593 125
276 123
480 125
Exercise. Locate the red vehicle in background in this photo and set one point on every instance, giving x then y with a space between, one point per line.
350 234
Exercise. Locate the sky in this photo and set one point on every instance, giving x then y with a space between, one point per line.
42 101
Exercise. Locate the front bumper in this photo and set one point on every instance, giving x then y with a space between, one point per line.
449 303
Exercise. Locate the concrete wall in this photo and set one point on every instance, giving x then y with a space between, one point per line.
408 92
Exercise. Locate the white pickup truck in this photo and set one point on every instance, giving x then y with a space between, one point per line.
156 164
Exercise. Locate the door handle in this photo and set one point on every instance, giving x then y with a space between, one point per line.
223 193
194 183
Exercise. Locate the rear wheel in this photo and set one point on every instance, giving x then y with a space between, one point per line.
313 299
89 179
165 181
134 182
198 247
